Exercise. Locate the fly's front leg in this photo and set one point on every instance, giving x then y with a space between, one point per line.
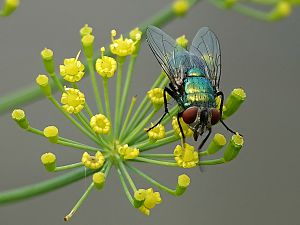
220 93
180 128
172 94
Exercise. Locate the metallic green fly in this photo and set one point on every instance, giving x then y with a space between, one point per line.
194 78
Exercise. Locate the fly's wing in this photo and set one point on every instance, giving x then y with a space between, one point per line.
205 45
168 53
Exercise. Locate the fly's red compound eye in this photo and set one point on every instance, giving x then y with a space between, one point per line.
215 116
189 115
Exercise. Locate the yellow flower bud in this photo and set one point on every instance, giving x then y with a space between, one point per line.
234 147
19 116
183 183
127 152
281 10
9 6
43 82
49 161
233 102
99 180
217 143
156 133
182 41
180 7
47 56
86 30
51 132
149 200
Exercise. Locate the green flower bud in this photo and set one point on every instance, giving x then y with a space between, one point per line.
47 56
233 102
87 44
234 147
19 116
217 143
43 82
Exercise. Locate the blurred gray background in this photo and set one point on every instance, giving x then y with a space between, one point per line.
261 186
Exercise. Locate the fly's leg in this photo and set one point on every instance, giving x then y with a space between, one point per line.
204 140
172 94
180 128
220 93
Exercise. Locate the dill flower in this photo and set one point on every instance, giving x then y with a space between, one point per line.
122 47
127 152
106 66
182 41
119 139
73 100
180 7
9 6
186 157
72 70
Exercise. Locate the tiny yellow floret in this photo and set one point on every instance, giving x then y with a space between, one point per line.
282 10
86 30
106 66
121 47
47 54
157 132
99 180
9 6
186 157
100 124
72 70
73 100
234 147
156 96
184 180
127 152
135 34
93 162
233 102
186 130
150 200
42 80
180 7
217 143
51 132
49 161
19 116
182 41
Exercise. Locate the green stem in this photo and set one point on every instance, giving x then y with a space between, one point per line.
117 121
83 130
147 145
156 162
106 97
95 85
127 193
44 186
127 84
152 181
124 127
212 162
68 167
57 81
81 146
157 155
125 172
80 201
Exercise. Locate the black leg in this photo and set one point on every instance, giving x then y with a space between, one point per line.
220 93
180 127
172 94
204 140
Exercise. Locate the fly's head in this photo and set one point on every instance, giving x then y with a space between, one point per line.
200 119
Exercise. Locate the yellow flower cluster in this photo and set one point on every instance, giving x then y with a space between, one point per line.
127 152
186 157
106 66
186 130
156 96
72 70
73 100
100 124
149 198
157 132
122 47
93 162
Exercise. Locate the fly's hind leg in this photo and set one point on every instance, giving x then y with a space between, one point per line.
172 94
220 93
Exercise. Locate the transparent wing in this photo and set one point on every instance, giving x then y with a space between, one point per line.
205 45
170 56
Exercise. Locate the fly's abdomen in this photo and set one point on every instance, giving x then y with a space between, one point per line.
198 92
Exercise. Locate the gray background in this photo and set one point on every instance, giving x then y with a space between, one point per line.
260 187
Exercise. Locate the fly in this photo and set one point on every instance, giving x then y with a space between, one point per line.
194 76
